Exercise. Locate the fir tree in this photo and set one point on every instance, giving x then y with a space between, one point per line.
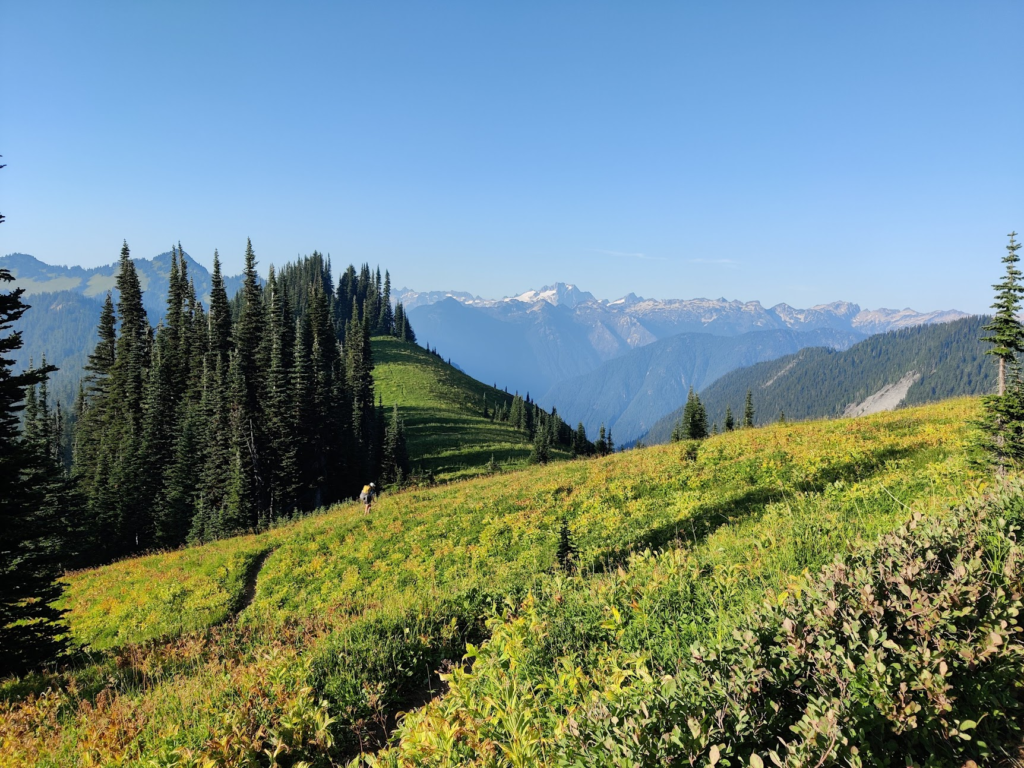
386 317
748 410
730 424
247 490
693 425
395 467
219 317
567 553
1005 410
1007 335
31 630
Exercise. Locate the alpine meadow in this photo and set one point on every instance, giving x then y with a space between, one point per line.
568 386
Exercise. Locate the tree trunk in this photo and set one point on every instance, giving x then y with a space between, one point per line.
1002 376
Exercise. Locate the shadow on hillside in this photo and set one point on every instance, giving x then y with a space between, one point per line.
708 517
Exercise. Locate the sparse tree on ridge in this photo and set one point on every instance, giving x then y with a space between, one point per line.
748 410
1007 335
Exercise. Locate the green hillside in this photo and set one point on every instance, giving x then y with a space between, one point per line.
947 359
443 411
345 619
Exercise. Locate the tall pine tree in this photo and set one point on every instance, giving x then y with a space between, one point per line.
31 629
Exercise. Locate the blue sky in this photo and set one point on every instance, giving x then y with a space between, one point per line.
797 152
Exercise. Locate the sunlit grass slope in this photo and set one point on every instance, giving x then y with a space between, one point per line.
443 412
353 614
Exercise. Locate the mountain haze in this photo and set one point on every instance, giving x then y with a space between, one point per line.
629 394
560 331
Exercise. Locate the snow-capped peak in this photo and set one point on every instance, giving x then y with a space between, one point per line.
559 294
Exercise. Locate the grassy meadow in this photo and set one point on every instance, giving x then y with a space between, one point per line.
354 615
443 408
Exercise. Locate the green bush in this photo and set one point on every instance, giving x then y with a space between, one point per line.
910 653
907 652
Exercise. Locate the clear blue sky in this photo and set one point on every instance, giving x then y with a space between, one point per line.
798 152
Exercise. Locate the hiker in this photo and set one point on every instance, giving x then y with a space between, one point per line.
368 495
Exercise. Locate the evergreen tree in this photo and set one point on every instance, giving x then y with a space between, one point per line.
567 553
247 488
395 467
386 317
693 425
1004 411
540 453
730 424
220 314
601 444
1007 335
31 630
359 378
278 410
748 410
122 483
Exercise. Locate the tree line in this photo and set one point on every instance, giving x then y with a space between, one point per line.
547 431
229 419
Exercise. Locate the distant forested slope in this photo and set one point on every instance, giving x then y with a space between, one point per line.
62 327
949 359
629 394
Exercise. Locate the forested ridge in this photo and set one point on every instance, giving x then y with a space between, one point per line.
232 417
817 382
228 419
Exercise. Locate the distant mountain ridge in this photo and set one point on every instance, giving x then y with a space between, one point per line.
560 331
37 277
909 366
66 303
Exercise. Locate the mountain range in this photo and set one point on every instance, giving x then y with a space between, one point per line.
623 362
535 340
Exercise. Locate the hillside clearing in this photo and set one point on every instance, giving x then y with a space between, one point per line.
353 615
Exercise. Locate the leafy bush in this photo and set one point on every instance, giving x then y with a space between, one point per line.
907 653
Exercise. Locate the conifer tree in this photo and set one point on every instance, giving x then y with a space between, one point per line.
278 411
730 424
386 316
748 410
219 315
1007 334
122 492
31 630
567 553
247 488
395 466
359 378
